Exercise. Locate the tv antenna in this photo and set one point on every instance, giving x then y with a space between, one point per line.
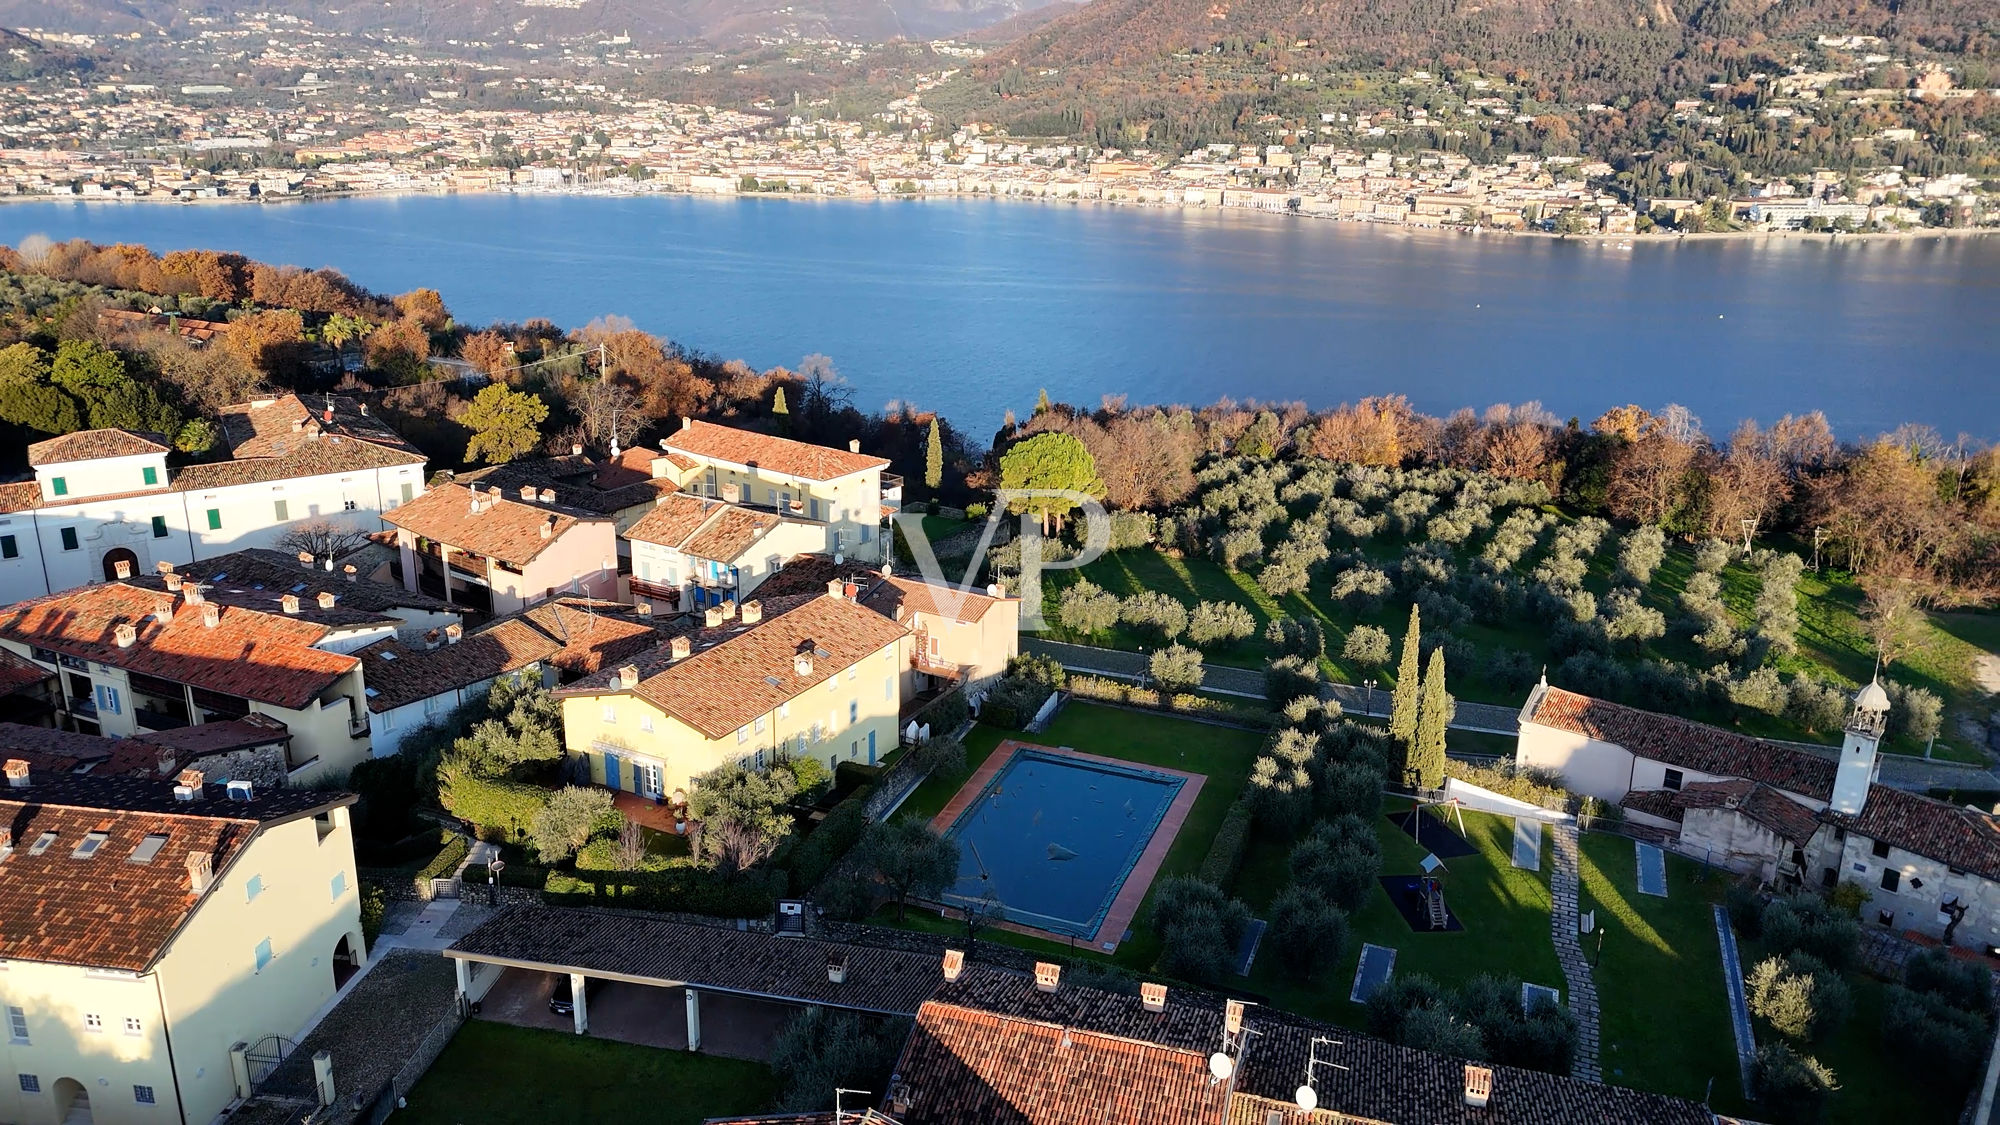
1306 1097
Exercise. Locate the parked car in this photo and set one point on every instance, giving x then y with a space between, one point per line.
560 1001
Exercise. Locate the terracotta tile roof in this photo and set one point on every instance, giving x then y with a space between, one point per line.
86 445
898 597
17 672
188 328
397 673
652 947
332 453
738 672
506 529
673 519
56 751
774 455
260 578
272 427
809 574
964 1064
593 634
1653 802
245 733
577 483
1949 834
1685 743
104 911
20 496
260 656
1787 818
730 532
824 1117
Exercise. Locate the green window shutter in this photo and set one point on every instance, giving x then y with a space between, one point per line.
59 485
215 519
159 527
69 538
151 475
280 510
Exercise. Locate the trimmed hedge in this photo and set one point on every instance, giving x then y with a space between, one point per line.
825 845
689 890
503 810
1225 855
447 859
1106 690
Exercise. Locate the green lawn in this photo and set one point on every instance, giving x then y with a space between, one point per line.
1505 911
497 1074
1223 755
1664 1023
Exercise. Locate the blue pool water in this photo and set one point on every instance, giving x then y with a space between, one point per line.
1052 838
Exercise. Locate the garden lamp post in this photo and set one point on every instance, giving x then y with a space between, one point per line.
1370 708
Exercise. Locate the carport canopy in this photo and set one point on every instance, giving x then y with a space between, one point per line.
644 949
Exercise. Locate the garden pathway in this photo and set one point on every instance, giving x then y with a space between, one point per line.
1249 683
1565 885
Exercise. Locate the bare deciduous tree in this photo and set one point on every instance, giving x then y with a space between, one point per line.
323 539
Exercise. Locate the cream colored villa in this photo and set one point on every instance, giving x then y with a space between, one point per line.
842 488
804 676
156 939
502 552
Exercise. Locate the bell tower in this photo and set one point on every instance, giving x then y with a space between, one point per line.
1858 759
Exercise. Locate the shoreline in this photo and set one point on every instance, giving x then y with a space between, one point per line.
1655 238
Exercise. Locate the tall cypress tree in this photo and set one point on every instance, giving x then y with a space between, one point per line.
1403 705
1426 756
782 411
933 460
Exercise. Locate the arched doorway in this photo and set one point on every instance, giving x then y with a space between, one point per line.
72 1103
345 963
118 555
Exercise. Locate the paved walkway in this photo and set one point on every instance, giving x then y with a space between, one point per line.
1249 683
1565 885
1739 1011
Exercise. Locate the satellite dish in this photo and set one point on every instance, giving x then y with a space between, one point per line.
1307 1100
1220 1066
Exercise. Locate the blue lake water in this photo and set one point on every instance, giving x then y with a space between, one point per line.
1052 838
971 306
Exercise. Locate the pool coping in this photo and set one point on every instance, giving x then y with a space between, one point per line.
1138 881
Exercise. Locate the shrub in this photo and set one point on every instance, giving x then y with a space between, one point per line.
1297 636
692 890
1224 860
1930 1036
1199 928
1711 555
1816 704
503 809
1176 668
1366 647
1961 984
1641 554
1344 874
908 858
1361 589
1086 608
1628 620
1791 1087
822 1049
1799 997
567 822
1283 578
1761 690
1541 1037
1849 898
1219 622
942 754
742 813
1746 910
1308 933
826 845
1811 925
1130 529
374 906
1290 677
1915 714
1153 610
1344 788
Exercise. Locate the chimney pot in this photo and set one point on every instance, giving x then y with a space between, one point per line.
713 617
164 567
576 451
1478 1086
211 615
326 599
6 840
954 963
17 773
126 634
349 571
201 872
453 633
173 582
431 638
527 494
729 610
122 568
1153 996
191 778
686 424
854 445
753 612
1047 974
289 603
679 647
306 559
163 610
836 970
549 529
548 495
628 677
834 587
168 760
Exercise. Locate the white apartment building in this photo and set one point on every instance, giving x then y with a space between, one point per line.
106 500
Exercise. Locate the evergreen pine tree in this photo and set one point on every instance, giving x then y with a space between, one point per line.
1403 704
1426 756
782 411
933 459
1042 401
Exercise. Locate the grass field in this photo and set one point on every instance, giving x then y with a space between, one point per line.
1223 755
1505 911
1833 642
497 1074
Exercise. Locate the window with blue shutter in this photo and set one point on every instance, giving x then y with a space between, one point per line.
253 888
339 884
107 699
263 954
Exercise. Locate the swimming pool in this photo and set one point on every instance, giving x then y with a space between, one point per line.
1052 838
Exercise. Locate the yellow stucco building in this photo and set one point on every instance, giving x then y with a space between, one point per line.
816 676
155 937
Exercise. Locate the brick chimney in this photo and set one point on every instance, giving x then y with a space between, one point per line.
1478 1086
164 567
628 677
954 963
753 612
211 615
125 634
17 773
289 603
680 647
1047 974
1153 997
201 872
549 528
192 778
836 969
